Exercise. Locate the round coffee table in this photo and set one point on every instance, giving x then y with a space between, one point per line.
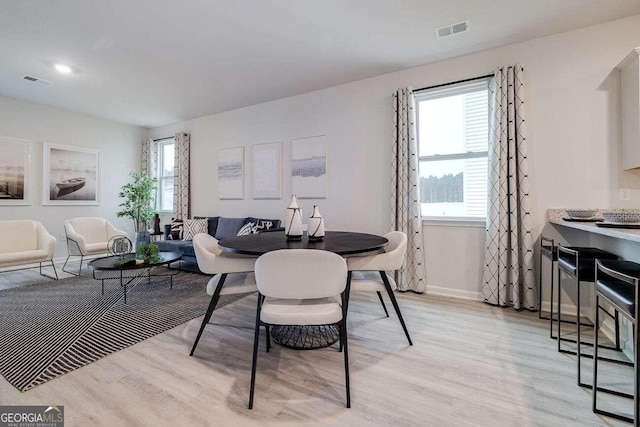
340 242
113 263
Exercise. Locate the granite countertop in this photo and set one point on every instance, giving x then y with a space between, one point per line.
555 216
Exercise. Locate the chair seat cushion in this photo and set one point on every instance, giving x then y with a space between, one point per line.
586 269
369 281
620 293
96 248
318 311
23 257
235 283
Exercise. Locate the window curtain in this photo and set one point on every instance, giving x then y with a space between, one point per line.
508 278
405 204
150 157
181 184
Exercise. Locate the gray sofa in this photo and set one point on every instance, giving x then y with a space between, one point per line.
218 227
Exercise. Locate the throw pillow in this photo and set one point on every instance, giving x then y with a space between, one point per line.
213 223
193 227
266 225
175 232
228 227
247 229
263 224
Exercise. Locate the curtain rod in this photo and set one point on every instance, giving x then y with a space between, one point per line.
453 83
162 139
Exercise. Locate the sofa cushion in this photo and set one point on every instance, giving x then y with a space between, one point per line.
212 225
18 236
184 247
260 225
229 227
193 227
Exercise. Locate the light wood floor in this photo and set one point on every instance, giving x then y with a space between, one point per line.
471 365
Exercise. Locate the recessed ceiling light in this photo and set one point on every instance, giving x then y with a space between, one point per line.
62 68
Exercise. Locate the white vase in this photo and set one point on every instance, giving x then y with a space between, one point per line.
293 220
316 225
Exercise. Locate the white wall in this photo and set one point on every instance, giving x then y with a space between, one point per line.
119 146
572 102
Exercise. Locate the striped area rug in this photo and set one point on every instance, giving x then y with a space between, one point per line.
50 328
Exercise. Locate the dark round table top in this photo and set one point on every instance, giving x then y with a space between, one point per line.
109 262
339 242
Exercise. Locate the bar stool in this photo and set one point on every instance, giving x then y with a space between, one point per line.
579 263
617 284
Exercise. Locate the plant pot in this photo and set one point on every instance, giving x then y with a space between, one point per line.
142 237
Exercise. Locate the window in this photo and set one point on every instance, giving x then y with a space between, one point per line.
453 140
165 174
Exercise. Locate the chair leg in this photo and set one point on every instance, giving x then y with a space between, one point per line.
596 326
382 302
54 271
392 297
256 338
578 337
268 337
559 335
343 335
551 304
636 371
540 283
207 316
73 272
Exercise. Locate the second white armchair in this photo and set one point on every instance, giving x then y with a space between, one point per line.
88 236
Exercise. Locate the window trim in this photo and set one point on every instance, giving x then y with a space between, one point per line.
161 143
441 91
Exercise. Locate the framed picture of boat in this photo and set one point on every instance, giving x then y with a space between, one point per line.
71 175
15 174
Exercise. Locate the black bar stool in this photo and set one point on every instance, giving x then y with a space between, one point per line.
579 263
617 284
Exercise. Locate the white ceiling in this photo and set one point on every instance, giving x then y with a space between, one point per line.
153 62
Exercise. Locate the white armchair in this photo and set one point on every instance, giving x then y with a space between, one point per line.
26 242
87 236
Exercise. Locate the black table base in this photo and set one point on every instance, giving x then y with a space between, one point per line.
306 337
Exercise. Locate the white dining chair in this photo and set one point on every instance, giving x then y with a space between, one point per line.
233 274
368 273
301 287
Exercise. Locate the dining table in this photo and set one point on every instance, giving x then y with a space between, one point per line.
344 243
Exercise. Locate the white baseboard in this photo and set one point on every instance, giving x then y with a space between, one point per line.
456 293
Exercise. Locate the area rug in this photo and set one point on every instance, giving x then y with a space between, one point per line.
50 328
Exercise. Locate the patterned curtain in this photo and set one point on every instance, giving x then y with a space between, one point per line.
405 209
181 199
508 278
150 157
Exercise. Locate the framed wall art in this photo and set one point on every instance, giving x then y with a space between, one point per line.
70 175
15 171
231 173
309 167
266 170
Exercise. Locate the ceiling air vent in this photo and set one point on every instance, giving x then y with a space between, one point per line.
37 80
450 30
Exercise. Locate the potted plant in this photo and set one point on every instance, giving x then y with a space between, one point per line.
149 253
138 201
